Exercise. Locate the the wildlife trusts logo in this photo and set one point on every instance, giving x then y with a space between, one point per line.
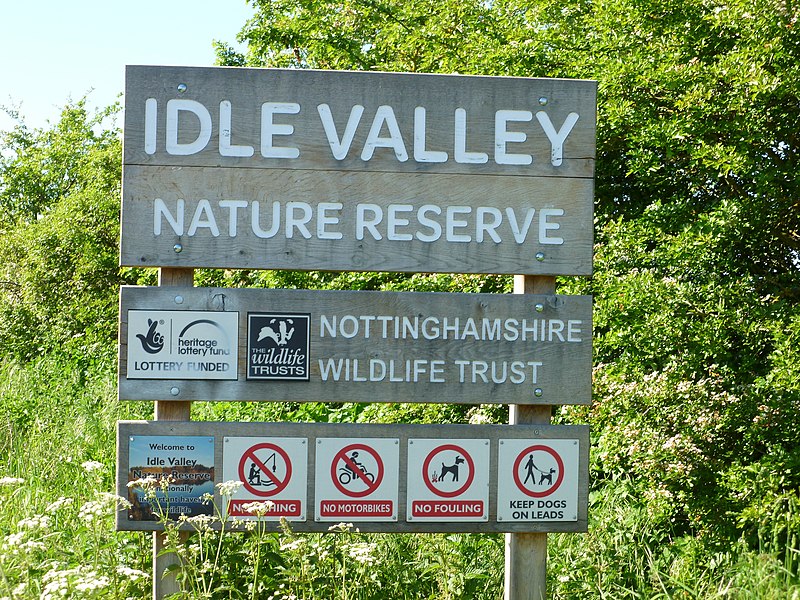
278 346
152 341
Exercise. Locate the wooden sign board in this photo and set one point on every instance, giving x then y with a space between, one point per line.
346 346
381 477
354 171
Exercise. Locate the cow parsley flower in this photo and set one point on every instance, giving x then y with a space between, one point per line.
258 508
35 522
229 488
62 502
363 552
92 465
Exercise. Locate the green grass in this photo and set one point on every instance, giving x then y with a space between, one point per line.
57 538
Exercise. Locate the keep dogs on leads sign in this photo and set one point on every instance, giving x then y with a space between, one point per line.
384 477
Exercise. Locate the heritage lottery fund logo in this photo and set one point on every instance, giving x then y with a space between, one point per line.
182 344
278 346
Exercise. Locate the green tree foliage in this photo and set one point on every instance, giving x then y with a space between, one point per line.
696 285
59 226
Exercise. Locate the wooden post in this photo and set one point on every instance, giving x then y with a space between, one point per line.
526 553
169 411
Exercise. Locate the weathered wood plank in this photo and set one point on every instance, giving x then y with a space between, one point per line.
293 219
242 130
376 171
312 432
364 347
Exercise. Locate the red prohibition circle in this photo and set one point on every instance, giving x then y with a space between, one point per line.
342 456
427 464
250 454
559 479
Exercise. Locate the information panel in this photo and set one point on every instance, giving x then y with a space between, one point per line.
357 171
301 345
380 477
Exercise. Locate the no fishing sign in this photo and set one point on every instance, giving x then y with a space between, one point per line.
273 473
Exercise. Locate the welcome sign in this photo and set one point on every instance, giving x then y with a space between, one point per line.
348 171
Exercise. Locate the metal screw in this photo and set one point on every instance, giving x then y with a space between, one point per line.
542 100
178 299
175 391
178 248
538 392
182 87
539 307
539 256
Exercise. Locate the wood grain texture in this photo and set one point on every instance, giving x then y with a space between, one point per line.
440 95
526 552
564 376
211 233
403 432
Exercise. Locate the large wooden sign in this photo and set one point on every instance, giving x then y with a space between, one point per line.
383 478
349 171
302 345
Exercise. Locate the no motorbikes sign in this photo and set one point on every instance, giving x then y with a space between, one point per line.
399 478
357 479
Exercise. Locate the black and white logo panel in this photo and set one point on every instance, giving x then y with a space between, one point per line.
278 346
166 344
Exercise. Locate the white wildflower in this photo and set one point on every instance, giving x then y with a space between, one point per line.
258 508
229 488
478 418
11 480
92 465
132 574
31 545
200 522
362 552
35 522
92 581
145 483
91 511
12 544
292 545
106 504
62 502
